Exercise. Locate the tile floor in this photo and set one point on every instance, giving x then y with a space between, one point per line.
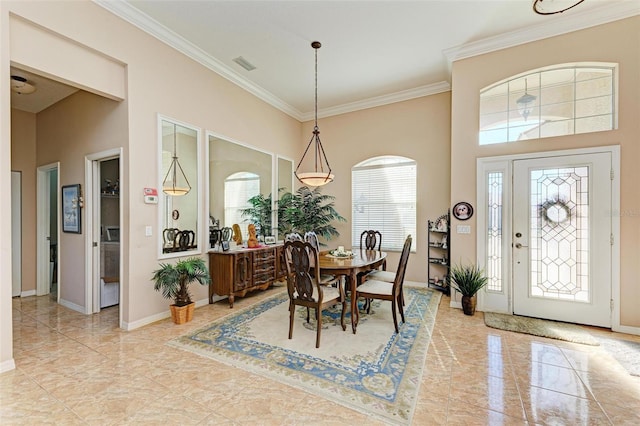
74 369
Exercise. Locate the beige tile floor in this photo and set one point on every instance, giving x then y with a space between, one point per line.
74 369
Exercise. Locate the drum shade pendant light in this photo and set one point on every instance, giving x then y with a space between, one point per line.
318 176
551 7
525 103
170 184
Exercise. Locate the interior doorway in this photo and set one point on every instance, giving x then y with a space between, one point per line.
109 233
47 276
104 215
16 234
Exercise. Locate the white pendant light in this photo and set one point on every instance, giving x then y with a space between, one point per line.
319 176
170 184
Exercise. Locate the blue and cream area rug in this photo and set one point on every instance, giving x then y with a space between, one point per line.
375 371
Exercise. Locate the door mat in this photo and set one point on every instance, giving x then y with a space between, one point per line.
538 327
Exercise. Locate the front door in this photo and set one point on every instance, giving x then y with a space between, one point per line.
562 238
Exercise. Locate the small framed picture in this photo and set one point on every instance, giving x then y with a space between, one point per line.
462 211
269 239
225 245
71 209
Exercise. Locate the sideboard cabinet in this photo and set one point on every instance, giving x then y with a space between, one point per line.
237 272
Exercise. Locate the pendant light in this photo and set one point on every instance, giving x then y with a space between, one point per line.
525 102
170 184
318 176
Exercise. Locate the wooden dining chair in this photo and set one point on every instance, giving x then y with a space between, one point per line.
382 290
307 289
369 239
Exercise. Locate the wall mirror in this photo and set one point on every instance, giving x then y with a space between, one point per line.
238 173
179 188
285 181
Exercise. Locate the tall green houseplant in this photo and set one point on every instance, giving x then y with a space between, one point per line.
308 210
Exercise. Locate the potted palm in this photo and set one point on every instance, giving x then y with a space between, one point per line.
173 282
308 210
468 280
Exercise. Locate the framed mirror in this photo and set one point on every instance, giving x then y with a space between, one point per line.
285 183
179 188
237 174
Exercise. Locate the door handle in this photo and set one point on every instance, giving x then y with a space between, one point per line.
518 245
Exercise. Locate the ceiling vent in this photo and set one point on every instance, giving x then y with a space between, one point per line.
244 63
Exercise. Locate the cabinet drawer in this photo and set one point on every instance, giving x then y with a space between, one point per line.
263 277
264 256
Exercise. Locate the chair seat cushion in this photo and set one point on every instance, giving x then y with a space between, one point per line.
386 276
327 279
328 293
376 287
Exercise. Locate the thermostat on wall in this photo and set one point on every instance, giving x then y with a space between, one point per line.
150 196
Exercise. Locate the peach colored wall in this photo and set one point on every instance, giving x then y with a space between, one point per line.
615 42
67 131
6 333
23 159
418 129
159 81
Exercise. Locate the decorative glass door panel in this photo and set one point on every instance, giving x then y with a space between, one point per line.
559 233
561 238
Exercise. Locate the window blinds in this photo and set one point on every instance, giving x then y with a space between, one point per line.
384 199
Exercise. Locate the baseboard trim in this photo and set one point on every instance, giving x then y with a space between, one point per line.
626 329
72 306
128 326
28 293
7 365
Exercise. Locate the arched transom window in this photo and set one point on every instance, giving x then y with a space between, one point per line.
554 101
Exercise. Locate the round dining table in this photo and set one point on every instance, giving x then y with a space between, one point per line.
361 261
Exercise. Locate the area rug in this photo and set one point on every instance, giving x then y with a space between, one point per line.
538 327
375 371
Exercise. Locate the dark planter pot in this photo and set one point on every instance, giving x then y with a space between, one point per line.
469 305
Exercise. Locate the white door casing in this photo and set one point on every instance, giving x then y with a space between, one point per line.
495 235
16 233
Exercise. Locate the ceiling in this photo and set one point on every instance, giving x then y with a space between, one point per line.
373 52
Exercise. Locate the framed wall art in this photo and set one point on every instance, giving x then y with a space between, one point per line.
71 209
462 211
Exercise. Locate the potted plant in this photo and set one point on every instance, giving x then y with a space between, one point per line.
173 282
468 280
308 210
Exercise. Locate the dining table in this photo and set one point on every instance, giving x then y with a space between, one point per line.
360 261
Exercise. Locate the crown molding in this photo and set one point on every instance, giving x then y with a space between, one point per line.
145 23
564 24
376 101
132 15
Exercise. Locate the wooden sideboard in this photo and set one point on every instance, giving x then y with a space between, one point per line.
237 272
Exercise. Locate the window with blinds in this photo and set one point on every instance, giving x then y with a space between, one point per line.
383 194
238 188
